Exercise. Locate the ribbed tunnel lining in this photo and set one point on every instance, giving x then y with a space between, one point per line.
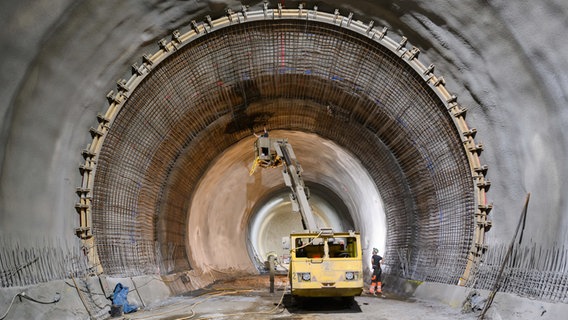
291 75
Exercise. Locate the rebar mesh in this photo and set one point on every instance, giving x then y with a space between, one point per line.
294 75
22 266
532 271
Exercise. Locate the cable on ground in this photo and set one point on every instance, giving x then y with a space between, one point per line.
25 296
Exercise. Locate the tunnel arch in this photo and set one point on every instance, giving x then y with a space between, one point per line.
271 220
291 70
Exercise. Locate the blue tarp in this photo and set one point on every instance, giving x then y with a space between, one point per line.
119 297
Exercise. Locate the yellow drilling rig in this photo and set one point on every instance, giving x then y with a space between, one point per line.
323 263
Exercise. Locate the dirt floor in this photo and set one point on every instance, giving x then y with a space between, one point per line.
246 300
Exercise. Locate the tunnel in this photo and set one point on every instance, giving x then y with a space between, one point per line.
126 149
385 149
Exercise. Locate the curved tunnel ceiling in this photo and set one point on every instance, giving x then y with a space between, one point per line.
318 76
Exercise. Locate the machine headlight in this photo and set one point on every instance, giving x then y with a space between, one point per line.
351 275
306 276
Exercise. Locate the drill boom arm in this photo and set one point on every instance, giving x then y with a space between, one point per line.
293 178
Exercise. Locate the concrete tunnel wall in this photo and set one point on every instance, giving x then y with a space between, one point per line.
218 220
57 73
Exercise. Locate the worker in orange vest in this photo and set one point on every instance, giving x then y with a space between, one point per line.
376 278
